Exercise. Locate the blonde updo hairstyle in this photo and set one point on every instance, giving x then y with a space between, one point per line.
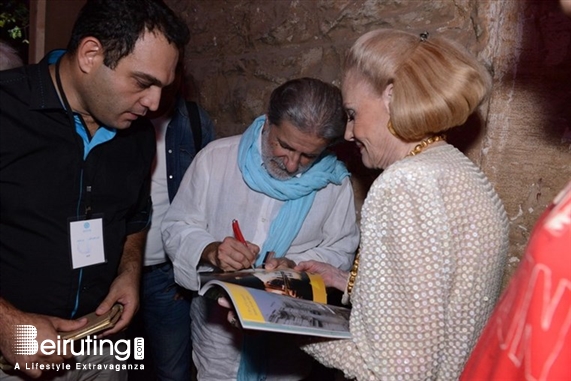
437 83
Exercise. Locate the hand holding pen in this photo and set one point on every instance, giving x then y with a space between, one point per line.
233 253
268 262
239 236
238 232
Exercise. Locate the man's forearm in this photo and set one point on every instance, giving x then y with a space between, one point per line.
8 317
132 258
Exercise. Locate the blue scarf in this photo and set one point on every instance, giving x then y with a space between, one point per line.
298 194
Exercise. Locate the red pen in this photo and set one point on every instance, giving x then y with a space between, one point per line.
237 232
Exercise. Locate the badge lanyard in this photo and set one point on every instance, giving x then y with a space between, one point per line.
86 234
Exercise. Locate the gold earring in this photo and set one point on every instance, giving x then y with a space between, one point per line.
391 128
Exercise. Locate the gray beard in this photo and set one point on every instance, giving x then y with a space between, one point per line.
274 165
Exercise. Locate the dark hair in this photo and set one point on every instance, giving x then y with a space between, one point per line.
9 57
311 105
118 24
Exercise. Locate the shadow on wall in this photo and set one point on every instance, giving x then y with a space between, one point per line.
535 162
545 69
464 137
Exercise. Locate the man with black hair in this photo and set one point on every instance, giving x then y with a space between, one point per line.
9 57
74 176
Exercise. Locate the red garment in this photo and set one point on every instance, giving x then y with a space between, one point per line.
528 336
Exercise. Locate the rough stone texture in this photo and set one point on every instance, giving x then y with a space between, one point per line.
241 49
526 150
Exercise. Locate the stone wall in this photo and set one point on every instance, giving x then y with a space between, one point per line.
241 49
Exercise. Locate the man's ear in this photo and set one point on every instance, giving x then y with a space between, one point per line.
266 126
89 54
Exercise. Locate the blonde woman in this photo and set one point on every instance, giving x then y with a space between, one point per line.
434 232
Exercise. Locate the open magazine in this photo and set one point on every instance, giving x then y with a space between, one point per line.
280 301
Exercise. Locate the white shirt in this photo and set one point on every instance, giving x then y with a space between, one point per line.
213 193
154 252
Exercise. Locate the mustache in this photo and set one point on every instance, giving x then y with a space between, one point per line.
279 163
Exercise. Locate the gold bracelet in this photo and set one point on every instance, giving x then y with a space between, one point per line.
353 275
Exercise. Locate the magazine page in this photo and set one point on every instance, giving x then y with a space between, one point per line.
268 311
284 282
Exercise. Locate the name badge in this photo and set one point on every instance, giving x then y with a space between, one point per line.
86 237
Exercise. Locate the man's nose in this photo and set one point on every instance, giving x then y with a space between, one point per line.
152 98
292 162
349 133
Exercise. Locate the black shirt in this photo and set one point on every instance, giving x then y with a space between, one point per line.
43 178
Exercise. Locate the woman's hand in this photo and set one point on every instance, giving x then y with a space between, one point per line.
332 276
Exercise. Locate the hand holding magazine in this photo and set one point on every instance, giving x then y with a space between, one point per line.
284 301
95 324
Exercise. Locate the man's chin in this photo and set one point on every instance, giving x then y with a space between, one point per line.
280 176
123 125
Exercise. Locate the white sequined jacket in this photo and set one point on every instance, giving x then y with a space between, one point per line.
433 248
